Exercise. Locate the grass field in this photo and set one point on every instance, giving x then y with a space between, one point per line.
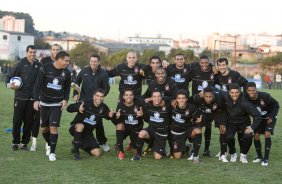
34 167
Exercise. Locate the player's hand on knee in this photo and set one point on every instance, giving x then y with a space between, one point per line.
64 104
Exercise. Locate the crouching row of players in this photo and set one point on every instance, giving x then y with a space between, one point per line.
178 120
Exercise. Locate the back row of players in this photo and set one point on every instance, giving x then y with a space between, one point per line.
165 106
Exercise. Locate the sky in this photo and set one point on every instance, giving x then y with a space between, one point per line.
175 19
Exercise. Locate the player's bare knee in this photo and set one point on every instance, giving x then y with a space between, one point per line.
96 152
53 130
45 130
157 156
142 134
177 155
256 136
79 127
120 126
267 134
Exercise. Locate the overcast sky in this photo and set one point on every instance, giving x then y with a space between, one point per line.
119 19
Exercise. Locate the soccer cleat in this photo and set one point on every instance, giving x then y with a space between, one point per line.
24 147
257 160
147 151
191 157
15 147
243 158
75 156
34 144
223 159
196 160
207 153
48 150
105 147
121 155
264 163
233 157
52 157
136 157
128 147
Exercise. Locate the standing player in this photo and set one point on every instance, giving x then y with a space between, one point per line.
50 59
129 120
89 114
268 108
157 115
239 110
148 71
185 123
27 69
52 89
90 78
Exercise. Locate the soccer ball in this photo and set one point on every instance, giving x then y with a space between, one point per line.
18 82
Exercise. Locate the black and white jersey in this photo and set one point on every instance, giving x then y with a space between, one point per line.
149 74
241 110
91 116
182 77
47 60
52 85
27 72
182 119
266 105
157 116
201 79
168 89
90 81
223 82
128 113
130 78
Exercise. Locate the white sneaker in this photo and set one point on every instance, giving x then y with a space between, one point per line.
257 160
34 144
223 158
264 163
191 157
105 147
48 150
233 157
243 158
196 160
218 154
52 157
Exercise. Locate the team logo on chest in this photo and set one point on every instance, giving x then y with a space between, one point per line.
224 88
130 80
212 76
187 113
184 70
214 107
136 69
203 86
63 74
178 119
54 85
130 120
262 102
156 118
90 120
167 87
229 80
177 78
135 109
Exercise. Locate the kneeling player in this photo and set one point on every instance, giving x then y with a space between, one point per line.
185 123
129 120
157 115
89 114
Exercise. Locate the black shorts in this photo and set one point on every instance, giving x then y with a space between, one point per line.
159 136
88 140
233 128
50 116
263 127
219 118
132 132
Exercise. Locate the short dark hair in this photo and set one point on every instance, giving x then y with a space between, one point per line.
220 60
204 57
96 56
155 57
61 55
127 89
30 47
251 84
182 92
234 86
208 89
179 54
156 91
100 90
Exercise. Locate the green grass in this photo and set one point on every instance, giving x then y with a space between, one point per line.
34 167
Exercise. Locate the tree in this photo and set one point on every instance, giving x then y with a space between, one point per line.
148 53
188 54
81 53
117 57
41 44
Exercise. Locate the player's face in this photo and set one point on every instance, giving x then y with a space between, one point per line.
155 64
181 100
222 67
128 96
31 54
63 62
179 61
54 50
131 59
204 63
156 98
94 63
234 94
160 75
208 97
252 91
98 98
